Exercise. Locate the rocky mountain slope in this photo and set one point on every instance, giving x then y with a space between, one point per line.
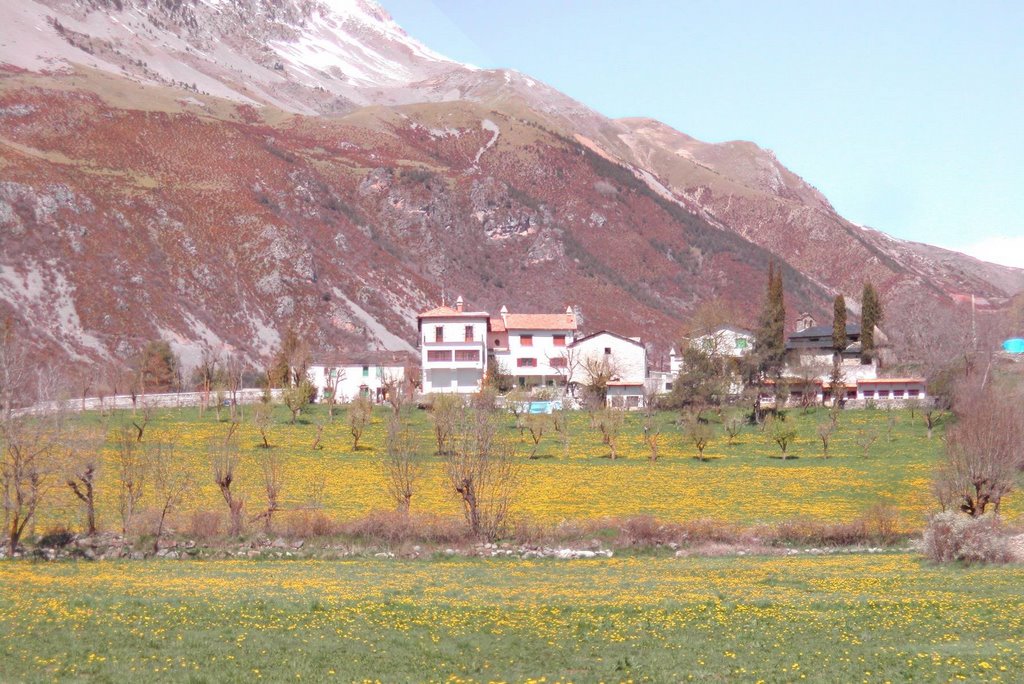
211 171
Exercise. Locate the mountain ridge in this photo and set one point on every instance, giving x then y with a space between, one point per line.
484 182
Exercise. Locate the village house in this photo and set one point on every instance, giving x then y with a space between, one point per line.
531 348
725 341
810 353
622 359
458 347
728 343
453 348
347 376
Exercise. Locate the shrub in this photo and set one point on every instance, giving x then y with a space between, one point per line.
205 525
56 538
391 527
307 524
953 536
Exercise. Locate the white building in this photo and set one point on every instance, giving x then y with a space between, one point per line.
532 347
726 341
809 352
625 358
453 346
350 376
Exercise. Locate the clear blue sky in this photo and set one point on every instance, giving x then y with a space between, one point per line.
908 116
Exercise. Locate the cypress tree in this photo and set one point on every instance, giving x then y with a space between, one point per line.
870 316
770 345
839 340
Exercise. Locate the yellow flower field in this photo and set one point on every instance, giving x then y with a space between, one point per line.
742 482
845 618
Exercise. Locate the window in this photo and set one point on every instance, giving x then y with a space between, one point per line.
559 340
897 394
869 394
668 386
558 362
883 394
439 333
366 371
526 340
439 355
526 363
469 333
467 354
497 342
607 351
914 393
851 394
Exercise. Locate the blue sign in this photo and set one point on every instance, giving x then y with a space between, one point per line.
1014 345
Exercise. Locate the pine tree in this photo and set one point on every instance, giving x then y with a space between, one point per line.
870 317
839 340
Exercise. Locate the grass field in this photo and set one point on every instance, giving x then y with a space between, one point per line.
846 618
742 482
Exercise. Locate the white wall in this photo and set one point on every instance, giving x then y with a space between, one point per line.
457 380
453 376
629 357
351 379
543 350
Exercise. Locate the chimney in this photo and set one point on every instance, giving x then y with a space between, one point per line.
458 304
504 314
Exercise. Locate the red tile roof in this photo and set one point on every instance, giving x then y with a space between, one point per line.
540 322
497 325
448 312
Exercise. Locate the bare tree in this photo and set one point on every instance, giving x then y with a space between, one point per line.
205 375
699 433
83 459
332 380
401 466
931 416
609 424
483 474
537 425
29 443
890 421
273 486
171 483
865 439
15 371
732 426
141 420
318 435
396 391
560 424
234 372
224 462
825 431
262 420
131 475
567 369
360 414
782 434
296 397
984 452
595 372
652 434
518 403
446 411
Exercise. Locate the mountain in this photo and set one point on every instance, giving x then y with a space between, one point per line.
214 171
